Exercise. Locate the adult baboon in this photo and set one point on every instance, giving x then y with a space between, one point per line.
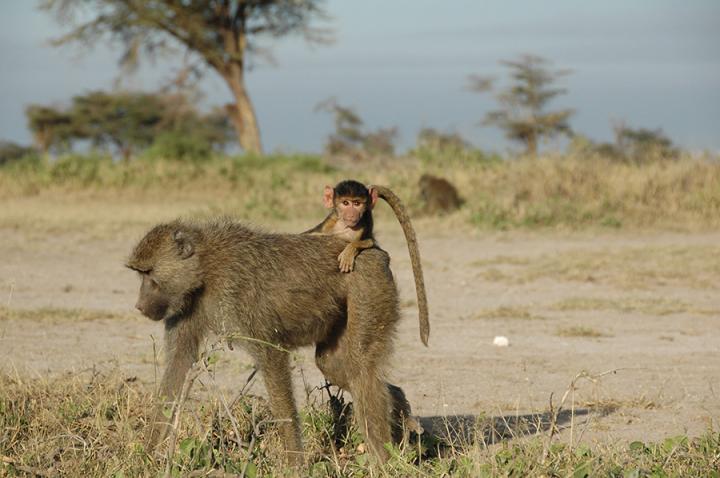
278 292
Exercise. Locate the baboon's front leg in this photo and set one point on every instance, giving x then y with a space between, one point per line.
181 349
275 368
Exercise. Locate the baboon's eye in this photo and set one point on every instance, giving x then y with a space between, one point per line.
346 202
356 204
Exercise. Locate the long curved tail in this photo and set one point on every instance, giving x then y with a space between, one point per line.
402 217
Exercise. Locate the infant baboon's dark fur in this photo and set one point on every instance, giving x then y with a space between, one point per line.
278 289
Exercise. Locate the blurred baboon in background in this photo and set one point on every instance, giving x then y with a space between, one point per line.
438 194
273 293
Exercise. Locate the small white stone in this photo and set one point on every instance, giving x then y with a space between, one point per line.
501 341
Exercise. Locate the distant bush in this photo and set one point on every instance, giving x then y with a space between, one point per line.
436 147
180 147
125 123
435 140
644 145
350 137
631 145
11 152
79 168
380 142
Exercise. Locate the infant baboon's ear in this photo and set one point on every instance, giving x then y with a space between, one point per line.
373 196
328 196
184 244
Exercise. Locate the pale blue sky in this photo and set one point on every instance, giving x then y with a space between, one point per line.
651 63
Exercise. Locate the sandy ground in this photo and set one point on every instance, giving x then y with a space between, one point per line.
638 312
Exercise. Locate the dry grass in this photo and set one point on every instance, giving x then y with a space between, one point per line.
647 306
501 260
576 192
580 331
638 267
60 315
567 192
506 312
94 425
607 406
696 266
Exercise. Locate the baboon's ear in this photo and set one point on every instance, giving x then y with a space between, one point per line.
184 244
328 196
373 197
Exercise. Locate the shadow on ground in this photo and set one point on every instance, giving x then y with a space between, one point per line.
462 431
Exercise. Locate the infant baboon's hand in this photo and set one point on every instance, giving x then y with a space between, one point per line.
347 259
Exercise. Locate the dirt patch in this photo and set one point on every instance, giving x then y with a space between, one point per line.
643 307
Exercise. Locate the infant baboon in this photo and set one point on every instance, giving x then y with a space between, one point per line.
439 195
351 220
279 292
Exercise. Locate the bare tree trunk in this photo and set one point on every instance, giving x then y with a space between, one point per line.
532 144
126 152
241 112
243 117
42 141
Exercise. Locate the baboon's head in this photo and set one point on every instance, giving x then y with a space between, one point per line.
424 184
169 266
351 200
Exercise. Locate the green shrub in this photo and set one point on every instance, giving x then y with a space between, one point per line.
179 147
12 152
81 168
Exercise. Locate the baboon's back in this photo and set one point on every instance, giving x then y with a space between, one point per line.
290 285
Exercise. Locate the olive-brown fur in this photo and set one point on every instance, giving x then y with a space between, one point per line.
438 194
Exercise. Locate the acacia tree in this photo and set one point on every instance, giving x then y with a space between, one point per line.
348 133
52 128
349 136
218 34
522 112
126 121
